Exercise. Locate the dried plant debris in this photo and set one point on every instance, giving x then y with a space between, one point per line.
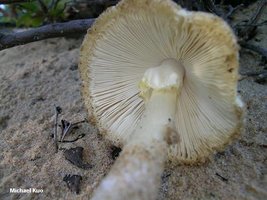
259 77
73 182
249 30
73 67
4 121
244 31
66 128
75 156
115 152
58 111
221 177
74 140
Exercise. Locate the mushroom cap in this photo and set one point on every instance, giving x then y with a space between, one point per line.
135 35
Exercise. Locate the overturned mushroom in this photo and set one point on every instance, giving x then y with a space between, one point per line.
161 82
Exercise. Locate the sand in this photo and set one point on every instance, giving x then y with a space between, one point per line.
37 76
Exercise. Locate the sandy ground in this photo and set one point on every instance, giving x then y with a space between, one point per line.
37 76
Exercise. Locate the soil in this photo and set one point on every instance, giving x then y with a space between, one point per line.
37 76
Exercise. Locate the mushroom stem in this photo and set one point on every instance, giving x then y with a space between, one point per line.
136 174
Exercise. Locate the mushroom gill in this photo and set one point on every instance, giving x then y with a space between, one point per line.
135 40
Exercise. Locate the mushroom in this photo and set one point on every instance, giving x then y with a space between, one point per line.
161 82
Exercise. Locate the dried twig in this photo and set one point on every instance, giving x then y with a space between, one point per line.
259 24
210 6
67 127
249 30
15 1
251 74
44 32
260 50
58 111
101 2
259 12
219 9
259 77
74 140
43 6
221 177
232 10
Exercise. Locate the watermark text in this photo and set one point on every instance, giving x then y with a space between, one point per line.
25 190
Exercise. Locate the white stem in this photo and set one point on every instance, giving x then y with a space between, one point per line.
137 172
